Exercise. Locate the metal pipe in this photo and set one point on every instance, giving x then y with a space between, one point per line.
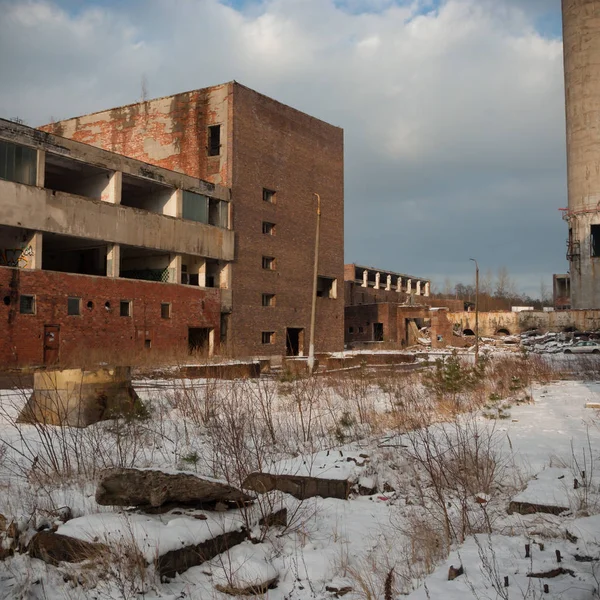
313 312
476 311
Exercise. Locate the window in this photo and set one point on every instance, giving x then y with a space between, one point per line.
326 287
218 213
268 262
269 196
125 308
194 207
268 337
165 310
595 240
27 305
18 163
268 228
74 306
214 140
350 329
268 299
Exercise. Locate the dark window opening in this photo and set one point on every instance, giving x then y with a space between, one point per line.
6 300
378 332
18 163
268 262
107 305
326 287
27 305
294 341
214 140
268 228
125 308
165 310
148 343
268 299
74 306
269 196
90 305
268 337
350 329
595 240
468 332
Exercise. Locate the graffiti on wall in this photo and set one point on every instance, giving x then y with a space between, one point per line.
16 257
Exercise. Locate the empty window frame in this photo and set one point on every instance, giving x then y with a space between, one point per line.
268 299
125 308
350 329
326 287
595 240
73 306
194 207
269 196
268 263
165 310
18 163
268 228
268 337
27 304
214 140
218 213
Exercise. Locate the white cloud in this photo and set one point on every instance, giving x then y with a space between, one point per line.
453 115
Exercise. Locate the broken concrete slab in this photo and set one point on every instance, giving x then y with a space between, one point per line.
550 491
329 473
53 548
152 487
79 398
226 370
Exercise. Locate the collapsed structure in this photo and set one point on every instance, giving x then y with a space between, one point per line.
173 224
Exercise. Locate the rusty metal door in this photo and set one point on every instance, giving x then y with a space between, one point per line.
51 344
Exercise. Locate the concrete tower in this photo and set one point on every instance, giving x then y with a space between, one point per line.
581 35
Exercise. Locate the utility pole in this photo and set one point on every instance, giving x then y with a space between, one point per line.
476 311
313 312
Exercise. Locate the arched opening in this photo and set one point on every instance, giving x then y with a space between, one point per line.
468 332
503 331
570 329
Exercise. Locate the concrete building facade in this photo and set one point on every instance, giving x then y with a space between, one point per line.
274 159
106 257
581 41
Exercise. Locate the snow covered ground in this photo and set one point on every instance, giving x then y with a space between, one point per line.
397 533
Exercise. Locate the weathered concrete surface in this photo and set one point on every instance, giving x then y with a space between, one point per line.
79 398
66 214
234 370
491 323
298 486
581 45
134 487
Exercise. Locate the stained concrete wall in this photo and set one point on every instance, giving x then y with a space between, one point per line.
581 41
57 212
491 322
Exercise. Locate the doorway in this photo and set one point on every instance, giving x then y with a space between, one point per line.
294 341
201 340
378 332
51 344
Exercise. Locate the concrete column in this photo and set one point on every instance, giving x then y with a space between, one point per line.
399 285
112 191
40 173
409 286
225 276
175 268
202 273
113 261
427 288
174 205
32 253
365 282
418 292
377 280
388 285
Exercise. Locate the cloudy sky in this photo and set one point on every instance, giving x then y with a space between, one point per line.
453 110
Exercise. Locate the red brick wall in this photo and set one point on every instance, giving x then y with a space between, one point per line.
279 148
99 333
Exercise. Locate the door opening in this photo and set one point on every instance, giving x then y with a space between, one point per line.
294 341
51 344
378 332
201 340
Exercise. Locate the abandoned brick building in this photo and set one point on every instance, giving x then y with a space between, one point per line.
182 221
384 306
